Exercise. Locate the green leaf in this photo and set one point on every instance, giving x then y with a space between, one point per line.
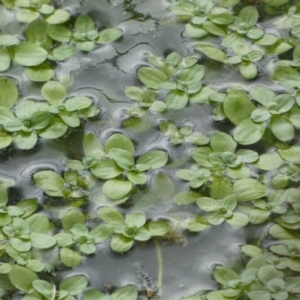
5 139
278 232
194 31
42 241
197 223
40 73
59 33
119 141
218 295
54 92
9 92
111 215
207 204
287 76
268 162
28 206
63 52
135 219
248 70
116 189
49 181
74 284
183 8
43 287
152 77
251 250
55 130
84 24
70 258
155 159
29 55
238 219
282 128
248 132
58 17
158 228
22 278
237 108
211 51
25 140
220 188
38 223
176 99
221 142
108 35
27 15
92 294
267 40
249 15
4 60
125 293
215 29
248 189
193 74
72 217
224 275
102 232
92 145
120 243
106 169
267 273
85 46
8 40
123 158
259 294
291 154
186 197
137 178
36 34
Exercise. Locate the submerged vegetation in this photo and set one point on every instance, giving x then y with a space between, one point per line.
242 173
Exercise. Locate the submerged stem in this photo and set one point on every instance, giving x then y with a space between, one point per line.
262 236
160 267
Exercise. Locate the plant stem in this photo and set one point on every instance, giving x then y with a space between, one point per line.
160 267
262 236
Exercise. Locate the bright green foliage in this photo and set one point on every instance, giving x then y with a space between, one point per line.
22 238
67 289
27 123
184 134
133 226
181 77
85 35
23 209
196 175
126 292
204 17
69 111
222 158
31 10
72 186
9 92
222 210
115 161
246 57
146 98
263 209
273 108
84 239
